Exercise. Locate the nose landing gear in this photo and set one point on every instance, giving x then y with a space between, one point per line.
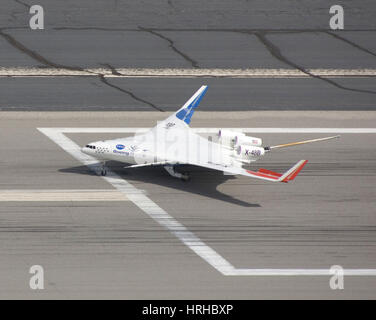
103 170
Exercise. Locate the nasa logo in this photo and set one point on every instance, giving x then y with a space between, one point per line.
120 146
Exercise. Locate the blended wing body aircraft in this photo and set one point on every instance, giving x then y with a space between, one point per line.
172 142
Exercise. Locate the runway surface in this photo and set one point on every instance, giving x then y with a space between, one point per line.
217 14
146 94
113 249
118 36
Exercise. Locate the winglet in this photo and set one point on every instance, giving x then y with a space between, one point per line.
293 172
278 177
185 112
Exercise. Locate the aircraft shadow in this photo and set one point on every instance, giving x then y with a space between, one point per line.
203 181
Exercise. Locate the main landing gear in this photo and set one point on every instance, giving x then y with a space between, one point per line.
103 170
171 170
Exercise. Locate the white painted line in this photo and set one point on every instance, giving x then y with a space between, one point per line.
144 203
215 130
309 130
61 195
164 219
185 73
301 272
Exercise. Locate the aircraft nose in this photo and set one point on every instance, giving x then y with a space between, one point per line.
84 149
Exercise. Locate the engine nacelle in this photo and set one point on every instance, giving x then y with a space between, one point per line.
227 137
250 153
232 139
242 139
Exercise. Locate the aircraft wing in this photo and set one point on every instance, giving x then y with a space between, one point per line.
262 174
176 143
198 151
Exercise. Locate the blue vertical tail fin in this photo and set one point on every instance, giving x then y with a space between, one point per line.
185 112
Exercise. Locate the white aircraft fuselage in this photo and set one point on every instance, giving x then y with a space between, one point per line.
125 150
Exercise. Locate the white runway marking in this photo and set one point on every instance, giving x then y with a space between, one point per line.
61 195
170 223
300 272
143 202
185 73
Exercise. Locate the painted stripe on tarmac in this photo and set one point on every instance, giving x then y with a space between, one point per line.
187 237
144 203
61 195
301 272
185 73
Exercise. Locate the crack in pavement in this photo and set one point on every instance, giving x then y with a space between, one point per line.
14 14
130 93
34 55
116 73
276 52
169 2
351 43
260 34
37 57
172 46
23 3
112 68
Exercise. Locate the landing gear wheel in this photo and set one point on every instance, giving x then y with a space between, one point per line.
171 170
185 176
103 171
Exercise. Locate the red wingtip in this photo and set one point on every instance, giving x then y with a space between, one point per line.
293 174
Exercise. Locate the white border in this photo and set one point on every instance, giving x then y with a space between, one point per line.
188 238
